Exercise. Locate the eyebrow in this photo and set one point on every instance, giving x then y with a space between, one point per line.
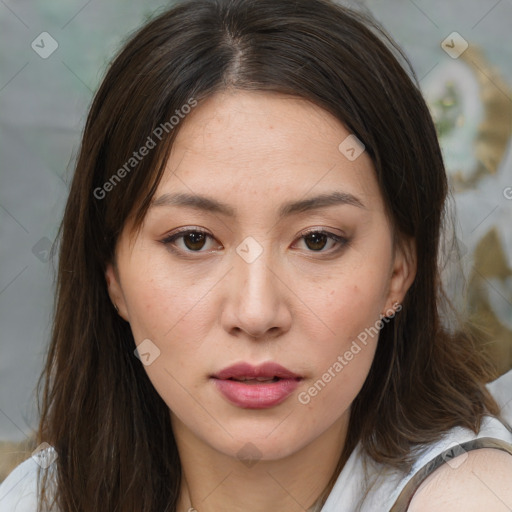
293 207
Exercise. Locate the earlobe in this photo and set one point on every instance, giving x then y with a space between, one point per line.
403 271
114 290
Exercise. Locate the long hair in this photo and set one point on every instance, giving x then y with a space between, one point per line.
111 430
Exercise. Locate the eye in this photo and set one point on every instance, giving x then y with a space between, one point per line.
317 240
188 240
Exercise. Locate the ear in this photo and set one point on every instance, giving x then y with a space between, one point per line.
403 271
115 291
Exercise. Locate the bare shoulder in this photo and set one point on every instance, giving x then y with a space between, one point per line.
474 481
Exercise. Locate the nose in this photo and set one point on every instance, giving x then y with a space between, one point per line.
257 299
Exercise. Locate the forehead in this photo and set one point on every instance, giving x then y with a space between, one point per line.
264 142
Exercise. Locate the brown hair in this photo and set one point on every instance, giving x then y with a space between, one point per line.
99 410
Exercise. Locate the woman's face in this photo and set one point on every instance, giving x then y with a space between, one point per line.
266 242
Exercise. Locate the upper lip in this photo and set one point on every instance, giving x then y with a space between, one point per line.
246 370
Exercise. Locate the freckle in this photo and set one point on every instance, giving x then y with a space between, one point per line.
332 291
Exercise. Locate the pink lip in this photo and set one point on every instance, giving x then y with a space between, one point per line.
256 396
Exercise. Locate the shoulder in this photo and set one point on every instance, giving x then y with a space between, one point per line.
18 492
473 481
461 471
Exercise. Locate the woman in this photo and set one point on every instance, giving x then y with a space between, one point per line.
248 311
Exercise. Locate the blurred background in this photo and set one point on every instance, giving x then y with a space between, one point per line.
53 56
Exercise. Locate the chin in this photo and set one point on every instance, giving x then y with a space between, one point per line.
250 445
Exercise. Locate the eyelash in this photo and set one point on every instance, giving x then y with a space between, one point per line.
171 239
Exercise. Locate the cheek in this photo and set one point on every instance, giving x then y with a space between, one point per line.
174 311
351 302
162 301
350 307
341 366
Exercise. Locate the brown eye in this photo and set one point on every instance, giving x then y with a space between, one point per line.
189 240
194 240
316 241
323 241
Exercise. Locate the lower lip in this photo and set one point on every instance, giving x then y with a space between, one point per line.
256 396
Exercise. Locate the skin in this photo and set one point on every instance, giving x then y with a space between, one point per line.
300 303
476 481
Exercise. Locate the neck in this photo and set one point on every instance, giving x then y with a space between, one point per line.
213 481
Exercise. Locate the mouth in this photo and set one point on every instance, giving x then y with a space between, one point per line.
246 372
256 387
259 380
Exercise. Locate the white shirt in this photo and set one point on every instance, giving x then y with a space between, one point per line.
18 492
